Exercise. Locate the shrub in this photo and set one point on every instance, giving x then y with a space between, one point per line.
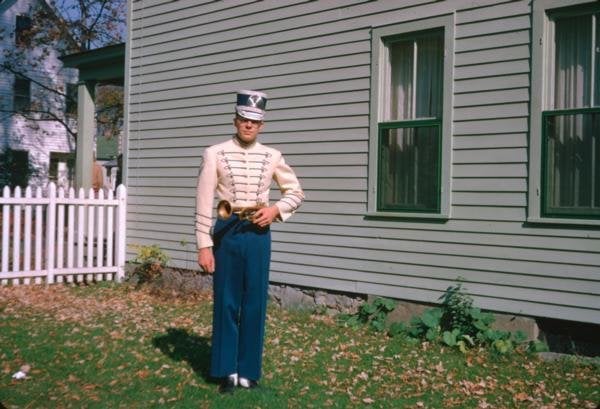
151 261
374 314
457 323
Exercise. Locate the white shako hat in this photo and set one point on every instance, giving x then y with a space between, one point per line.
251 104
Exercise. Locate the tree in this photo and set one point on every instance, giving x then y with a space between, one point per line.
66 26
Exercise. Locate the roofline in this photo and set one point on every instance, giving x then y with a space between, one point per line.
77 60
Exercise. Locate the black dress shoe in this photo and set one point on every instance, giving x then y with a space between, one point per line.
227 385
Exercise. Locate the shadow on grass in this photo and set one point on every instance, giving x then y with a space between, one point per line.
181 345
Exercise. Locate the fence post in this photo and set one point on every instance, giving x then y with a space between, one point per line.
121 217
50 233
5 230
16 241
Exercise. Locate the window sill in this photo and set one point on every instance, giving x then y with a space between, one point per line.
431 217
563 221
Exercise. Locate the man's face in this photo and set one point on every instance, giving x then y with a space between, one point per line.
247 129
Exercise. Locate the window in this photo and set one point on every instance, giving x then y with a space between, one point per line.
410 135
21 95
570 114
62 168
410 141
22 34
71 100
15 169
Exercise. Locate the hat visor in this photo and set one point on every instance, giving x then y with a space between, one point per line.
253 114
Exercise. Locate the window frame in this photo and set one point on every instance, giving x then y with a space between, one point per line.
25 25
541 91
71 95
381 37
18 96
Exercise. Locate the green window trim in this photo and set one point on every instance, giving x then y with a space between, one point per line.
564 212
417 123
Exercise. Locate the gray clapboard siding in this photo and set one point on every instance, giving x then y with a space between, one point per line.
481 155
506 110
487 27
490 170
491 140
321 267
493 12
485 98
224 26
486 70
313 59
491 213
482 127
517 52
489 185
488 84
489 199
492 41
460 262
264 82
485 237
424 281
442 247
238 71
350 85
345 215
315 264
208 64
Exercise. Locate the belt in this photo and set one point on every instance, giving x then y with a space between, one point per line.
225 210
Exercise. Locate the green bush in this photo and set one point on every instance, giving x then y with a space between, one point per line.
151 261
373 314
459 324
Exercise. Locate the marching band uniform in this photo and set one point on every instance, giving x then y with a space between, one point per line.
242 175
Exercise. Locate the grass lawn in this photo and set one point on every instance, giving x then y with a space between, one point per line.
110 346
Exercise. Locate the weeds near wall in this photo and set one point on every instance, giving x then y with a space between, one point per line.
457 323
151 262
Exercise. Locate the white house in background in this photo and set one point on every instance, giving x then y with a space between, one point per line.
43 144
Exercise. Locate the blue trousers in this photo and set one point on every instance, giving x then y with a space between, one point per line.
241 279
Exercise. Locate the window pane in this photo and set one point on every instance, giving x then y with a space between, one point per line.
401 60
22 93
597 62
572 172
71 99
409 166
573 62
430 74
22 27
416 95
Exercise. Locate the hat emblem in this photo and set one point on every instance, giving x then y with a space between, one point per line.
254 100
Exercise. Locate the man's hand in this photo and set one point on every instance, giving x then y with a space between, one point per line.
206 260
265 216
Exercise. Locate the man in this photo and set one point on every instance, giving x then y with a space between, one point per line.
241 171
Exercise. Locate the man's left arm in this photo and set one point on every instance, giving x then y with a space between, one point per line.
292 196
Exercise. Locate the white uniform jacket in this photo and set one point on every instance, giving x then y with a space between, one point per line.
242 176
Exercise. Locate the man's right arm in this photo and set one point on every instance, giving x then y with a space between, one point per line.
205 193
206 259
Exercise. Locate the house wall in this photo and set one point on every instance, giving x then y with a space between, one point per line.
39 138
313 58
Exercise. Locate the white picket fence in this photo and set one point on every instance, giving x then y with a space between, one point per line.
62 237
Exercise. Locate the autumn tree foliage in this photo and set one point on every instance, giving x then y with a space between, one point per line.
63 27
